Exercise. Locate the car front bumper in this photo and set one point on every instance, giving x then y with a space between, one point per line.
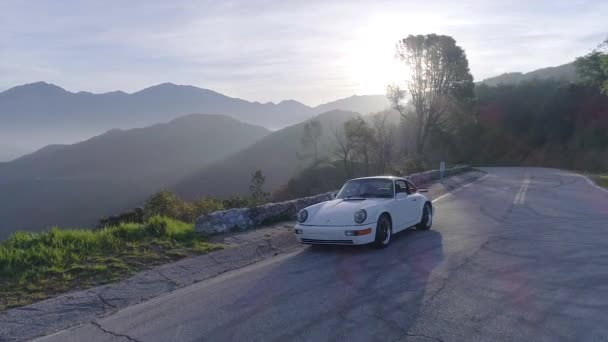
332 235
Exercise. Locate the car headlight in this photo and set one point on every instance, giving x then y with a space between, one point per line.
360 215
302 215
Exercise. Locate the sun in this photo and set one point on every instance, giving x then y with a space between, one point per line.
371 63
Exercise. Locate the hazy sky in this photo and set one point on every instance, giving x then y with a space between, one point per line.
311 51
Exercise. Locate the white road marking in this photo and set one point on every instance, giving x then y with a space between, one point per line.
521 195
458 189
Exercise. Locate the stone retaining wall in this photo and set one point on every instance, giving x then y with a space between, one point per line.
242 219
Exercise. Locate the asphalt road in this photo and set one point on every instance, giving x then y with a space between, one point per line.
521 255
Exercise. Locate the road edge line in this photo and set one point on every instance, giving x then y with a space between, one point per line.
589 180
458 189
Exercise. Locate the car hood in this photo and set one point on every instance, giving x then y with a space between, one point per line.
341 212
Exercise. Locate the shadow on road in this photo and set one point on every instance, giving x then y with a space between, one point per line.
327 292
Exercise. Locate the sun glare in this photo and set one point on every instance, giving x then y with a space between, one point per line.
371 59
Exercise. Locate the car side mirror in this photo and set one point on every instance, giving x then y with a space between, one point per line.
423 190
333 195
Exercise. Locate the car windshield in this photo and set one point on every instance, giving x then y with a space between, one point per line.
367 188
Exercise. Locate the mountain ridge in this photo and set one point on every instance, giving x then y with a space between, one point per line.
37 114
565 72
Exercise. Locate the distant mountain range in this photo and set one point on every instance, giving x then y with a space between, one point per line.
565 72
75 185
37 114
276 155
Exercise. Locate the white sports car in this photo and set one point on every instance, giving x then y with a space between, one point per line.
366 210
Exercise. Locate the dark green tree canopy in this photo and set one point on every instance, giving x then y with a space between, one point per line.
438 66
593 67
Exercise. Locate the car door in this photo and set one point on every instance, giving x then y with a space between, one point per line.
403 206
415 201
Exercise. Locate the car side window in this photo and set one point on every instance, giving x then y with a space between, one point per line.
400 186
411 188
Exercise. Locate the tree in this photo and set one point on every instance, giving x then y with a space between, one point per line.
258 195
593 67
343 150
163 203
384 133
361 139
439 80
310 140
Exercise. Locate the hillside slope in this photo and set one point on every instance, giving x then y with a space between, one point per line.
565 72
75 185
363 104
275 155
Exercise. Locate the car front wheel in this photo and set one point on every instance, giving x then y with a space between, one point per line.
427 218
384 232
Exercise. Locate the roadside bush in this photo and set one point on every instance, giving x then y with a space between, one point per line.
165 203
156 227
205 205
235 202
134 216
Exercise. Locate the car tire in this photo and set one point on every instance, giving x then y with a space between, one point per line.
427 218
384 232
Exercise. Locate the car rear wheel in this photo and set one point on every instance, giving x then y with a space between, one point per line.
384 231
427 218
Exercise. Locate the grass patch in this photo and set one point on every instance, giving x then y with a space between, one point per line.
601 180
35 266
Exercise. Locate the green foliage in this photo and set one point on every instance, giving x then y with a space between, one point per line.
61 259
258 195
544 123
206 205
593 68
235 202
602 180
165 203
133 216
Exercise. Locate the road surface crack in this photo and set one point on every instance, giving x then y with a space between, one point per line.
103 300
98 326
174 282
